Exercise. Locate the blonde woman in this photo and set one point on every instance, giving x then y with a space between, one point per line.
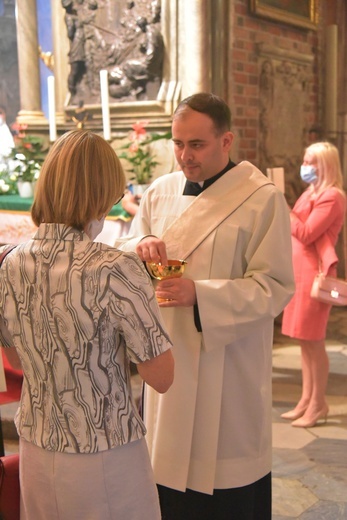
76 312
316 221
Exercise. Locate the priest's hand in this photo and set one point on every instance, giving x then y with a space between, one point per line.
176 292
152 249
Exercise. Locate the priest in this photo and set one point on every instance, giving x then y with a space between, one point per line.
209 436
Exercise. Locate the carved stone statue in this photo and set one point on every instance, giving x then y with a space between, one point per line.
76 54
147 64
79 18
92 38
133 54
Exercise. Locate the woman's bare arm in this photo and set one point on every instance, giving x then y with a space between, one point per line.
158 372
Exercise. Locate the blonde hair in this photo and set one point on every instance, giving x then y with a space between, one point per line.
80 180
328 166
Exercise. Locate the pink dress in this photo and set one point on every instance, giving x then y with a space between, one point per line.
315 224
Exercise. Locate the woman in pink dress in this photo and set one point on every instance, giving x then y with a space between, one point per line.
316 221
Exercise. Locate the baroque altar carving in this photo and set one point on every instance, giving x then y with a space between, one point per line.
193 40
123 37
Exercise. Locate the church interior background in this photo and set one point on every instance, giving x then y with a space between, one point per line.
280 65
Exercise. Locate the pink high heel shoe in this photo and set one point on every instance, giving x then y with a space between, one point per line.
294 414
309 422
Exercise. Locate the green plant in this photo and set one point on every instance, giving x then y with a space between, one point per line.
26 158
139 153
24 161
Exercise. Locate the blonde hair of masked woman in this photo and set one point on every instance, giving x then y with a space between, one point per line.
80 180
327 159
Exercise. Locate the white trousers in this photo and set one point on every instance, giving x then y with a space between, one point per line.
116 484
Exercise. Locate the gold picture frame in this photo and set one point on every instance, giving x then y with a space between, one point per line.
300 13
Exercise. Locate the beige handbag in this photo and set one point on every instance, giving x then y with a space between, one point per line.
331 290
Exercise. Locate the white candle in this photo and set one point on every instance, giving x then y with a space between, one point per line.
51 109
105 104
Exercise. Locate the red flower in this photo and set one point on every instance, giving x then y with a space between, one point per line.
19 129
139 132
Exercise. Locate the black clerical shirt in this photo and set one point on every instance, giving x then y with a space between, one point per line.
194 188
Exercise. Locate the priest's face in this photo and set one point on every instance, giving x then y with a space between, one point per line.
200 150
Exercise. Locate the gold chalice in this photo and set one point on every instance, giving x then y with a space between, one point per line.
173 269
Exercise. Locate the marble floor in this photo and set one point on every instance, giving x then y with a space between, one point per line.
309 465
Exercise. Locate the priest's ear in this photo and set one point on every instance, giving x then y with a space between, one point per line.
228 138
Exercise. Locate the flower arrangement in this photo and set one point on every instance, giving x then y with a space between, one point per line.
8 182
24 161
139 153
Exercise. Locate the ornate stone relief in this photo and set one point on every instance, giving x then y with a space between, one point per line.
143 84
123 37
283 97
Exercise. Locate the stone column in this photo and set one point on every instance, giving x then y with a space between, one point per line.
195 29
28 63
219 47
61 62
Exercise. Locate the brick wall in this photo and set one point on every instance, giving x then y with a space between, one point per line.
246 31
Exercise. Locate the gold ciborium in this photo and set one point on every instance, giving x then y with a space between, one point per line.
173 269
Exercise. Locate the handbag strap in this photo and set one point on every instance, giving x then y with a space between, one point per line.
5 252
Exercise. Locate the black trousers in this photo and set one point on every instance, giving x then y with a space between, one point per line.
252 502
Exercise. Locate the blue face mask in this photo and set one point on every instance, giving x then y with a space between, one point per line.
308 173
